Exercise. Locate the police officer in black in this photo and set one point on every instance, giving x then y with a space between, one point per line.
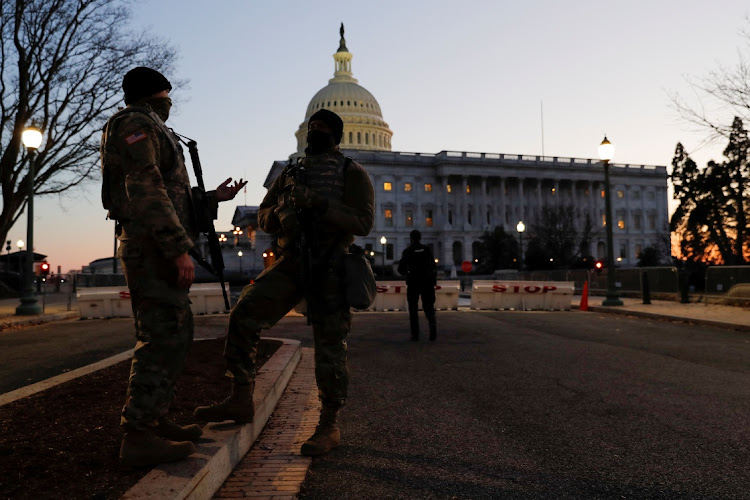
418 265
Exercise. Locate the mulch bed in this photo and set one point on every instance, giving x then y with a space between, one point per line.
64 442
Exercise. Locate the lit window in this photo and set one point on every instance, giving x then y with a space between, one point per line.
604 220
603 193
553 191
407 186
388 217
387 186
468 189
620 193
428 187
409 217
621 224
428 218
448 188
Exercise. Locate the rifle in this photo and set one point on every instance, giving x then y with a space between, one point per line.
204 220
306 245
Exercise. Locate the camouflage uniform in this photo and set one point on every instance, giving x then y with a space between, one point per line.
350 211
147 190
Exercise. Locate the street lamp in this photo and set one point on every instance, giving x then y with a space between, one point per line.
383 241
606 152
239 254
237 232
520 227
32 139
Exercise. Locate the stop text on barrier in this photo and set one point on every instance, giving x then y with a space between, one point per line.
523 289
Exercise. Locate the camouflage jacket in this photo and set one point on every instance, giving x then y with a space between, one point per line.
351 200
145 184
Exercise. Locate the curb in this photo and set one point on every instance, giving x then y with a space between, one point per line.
695 321
39 319
223 444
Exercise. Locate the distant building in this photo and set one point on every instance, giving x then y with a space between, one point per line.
454 197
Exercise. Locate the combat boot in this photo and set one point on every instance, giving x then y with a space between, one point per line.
327 435
238 406
142 448
169 429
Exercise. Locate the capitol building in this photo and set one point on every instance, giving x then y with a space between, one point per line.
453 197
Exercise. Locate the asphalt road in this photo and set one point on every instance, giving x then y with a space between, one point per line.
539 405
503 405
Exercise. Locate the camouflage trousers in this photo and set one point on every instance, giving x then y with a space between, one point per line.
275 292
164 333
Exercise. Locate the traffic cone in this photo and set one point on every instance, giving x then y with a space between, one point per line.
584 297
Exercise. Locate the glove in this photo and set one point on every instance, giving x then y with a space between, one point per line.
303 197
288 219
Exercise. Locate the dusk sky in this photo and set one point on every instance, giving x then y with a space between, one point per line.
462 76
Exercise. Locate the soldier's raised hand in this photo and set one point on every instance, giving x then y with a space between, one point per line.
225 192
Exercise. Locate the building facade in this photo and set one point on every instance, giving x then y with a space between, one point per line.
454 197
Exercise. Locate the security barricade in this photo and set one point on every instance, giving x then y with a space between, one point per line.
522 295
114 301
391 296
206 298
104 302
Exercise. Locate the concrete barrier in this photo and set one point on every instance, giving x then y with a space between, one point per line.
104 302
522 295
114 301
392 296
206 298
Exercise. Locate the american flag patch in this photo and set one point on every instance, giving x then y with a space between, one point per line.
133 138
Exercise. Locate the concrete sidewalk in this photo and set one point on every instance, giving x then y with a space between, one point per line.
57 306
736 318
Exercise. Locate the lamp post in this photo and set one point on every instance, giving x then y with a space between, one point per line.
32 139
520 227
237 232
606 152
383 241
239 254
20 244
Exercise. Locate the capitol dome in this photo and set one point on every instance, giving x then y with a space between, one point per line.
364 127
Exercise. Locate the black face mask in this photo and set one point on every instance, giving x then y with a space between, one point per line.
161 106
320 141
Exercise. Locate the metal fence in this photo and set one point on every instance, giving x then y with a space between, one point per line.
728 284
99 279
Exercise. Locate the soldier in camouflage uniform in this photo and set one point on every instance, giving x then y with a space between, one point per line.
332 203
147 191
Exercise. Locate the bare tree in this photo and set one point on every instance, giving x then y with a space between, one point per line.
61 67
723 92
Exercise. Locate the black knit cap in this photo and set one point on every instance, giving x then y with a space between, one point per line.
333 121
143 82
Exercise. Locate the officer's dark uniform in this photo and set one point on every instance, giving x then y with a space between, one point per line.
418 265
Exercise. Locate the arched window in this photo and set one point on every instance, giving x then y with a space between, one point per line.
359 137
351 138
367 138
